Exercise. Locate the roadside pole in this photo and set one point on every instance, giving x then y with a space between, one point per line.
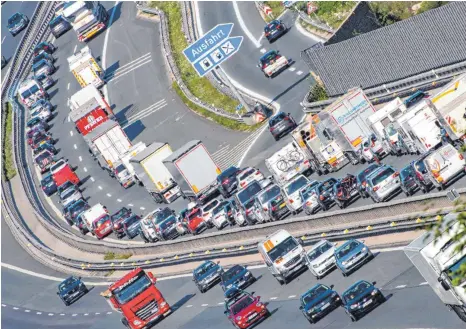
235 91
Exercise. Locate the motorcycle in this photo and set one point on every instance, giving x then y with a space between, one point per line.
345 190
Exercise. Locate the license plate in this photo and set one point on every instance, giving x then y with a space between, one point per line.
252 316
282 205
367 303
325 306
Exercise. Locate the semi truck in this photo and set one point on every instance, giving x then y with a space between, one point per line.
194 170
90 92
438 259
123 169
137 298
85 68
86 17
88 117
107 143
287 163
152 173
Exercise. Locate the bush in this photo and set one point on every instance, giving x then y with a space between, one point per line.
318 93
112 256
9 169
427 5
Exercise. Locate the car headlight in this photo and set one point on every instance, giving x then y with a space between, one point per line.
247 274
364 249
229 286
344 263
162 304
315 265
136 322
259 304
311 310
354 306
374 292
238 318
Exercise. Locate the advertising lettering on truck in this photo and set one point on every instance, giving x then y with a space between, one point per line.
138 299
91 121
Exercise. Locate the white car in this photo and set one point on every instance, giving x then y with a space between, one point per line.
247 176
383 183
444 164
291 192
207 211
221 213
309 198
321 258
263 200
69 196
41 113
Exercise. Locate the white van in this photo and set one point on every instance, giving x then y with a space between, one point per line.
444 164
93 214
283 255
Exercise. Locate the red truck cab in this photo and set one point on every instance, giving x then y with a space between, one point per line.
62 172
102 226
136 296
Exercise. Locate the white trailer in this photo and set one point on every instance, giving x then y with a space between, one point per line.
152 173
83 96
438 260
85 68
287 163
108 142
123 169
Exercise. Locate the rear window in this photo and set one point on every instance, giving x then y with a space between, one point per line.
382 175
168 222
101 221
276 119
220 207
327 185
210 206
269 194
131 221
229 173
296 185
406 172
247 173
249 192
419 165
363 174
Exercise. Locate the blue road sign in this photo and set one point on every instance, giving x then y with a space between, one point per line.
216 57
239 107
208 42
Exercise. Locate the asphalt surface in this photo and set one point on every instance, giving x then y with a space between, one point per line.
411 304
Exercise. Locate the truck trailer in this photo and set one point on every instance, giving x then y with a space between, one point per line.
85 68
151 172
90 92
194 170
123 169
438 260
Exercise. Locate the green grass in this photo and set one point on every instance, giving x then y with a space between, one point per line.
277 9
9 169
199 87
389 12
113 256
333 12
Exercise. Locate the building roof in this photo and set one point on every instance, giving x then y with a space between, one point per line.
419 44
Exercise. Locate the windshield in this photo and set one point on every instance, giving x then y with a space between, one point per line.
56 21
246 174
120 168
100 222
420 166
229 173
203 269
249 192
211 205
232 272
15 19
276 119
363 174
128 291
123 212
315 253
391 131
269 57
63 286
241 304
162 215
194 214
314 293
220 207
269 194
327 185
271 26
168 222
296 185
131 221
67 193
346 249
29 92
381 176
454 274
357 290
78 208
308 190
406 172
283 248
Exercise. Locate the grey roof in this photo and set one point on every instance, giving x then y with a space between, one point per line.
146 152
84 109
419 44
182 150
101 129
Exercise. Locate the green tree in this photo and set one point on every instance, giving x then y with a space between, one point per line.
427 5
318 93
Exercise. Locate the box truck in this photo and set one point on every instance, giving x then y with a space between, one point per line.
86 17
85 68
123 169
194 170
152 173
88 117
88 93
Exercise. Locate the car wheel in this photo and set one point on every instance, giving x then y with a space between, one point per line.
353 317
307 212
276 138
324 207
125 322
382 299
82 231
201 290
344 274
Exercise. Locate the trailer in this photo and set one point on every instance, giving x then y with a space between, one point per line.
86 17
123 169
90 92
88 117
107 143
194 170
85 68
30 91
152 173
437 259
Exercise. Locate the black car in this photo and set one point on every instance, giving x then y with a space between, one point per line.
45 146
274 30
422 176
44 46
281 124
345 191
318 302
71 289
167 229
43 56
207 275
361 298
17 23
361 179
227 182
48 185
408 180
74 210
117 219
238 276
324 193
131 226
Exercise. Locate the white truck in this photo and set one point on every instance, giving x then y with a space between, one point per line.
438 260
123 169
92 215
86 17
194 170
107 143
152 173
88 93
30 91
287 163
85 68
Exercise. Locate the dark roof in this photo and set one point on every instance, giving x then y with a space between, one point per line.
419 44
182 150
147 151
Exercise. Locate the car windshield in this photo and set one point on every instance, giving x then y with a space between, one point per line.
123 212
210 206
249 192
194 214
314 293
78 208
276 119
245 174
232 272
131 221
229 173
168 222
381 176
309 189
29 92
220 207
269 194
57 165
101 221
282 248
406 172
15 19
271 26
241 304
162 215
346 249
120 168
203 269
295 185
269 57
56 21
42 156
47 180
419 165
63 286
317 252
391 131
355 291
327 185
454 273
132 288
67 193
363 174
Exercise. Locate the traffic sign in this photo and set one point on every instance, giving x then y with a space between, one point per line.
208 42
217 55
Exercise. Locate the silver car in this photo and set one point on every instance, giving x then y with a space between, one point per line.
263 199
69 196
383 183
291 193
321 258
309 198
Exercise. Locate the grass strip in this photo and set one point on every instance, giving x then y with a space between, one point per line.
112 256
9 169
277 9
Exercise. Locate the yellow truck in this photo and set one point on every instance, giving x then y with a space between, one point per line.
85 68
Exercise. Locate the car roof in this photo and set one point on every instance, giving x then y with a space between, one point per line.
355 284
268 54
346 243
313 287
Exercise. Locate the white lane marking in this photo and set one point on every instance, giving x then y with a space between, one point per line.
188 306
273 298
73 314
100 187
132 63
3 305
119 200
68 87
97 313
260 38
251 145
263 50
39 313
130 204
221 303
291 296
109 312
75 146
62 314
93 179
85 169
27 311
69 119
299 72
423 283
144 113
104 50
86 314
50 314
127 68
292 69
71 133
75 47
400 286
142 208
244 27
80 158
15 308
109 195
3 39
205 305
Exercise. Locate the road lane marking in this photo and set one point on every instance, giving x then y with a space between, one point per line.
75 146
74 50
205 305
291 296
129 67
188 306
15 308
92 179
50 314
97 313
260 38
263 50
142 208
69 119
73 314
130 204
39 313
143 113
27 311
71 133
221 303
3 39
119 200
273 298
109 195
85 169
86 314
244 27
80 158
400 286
109 312
423 283
292 69
299 72
68 87
100 187
62 314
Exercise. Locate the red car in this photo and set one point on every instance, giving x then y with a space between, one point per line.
245 310
193 221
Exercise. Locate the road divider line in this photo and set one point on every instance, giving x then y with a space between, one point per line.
119 75
292 296
75 146
93 179
241 22
80 158
263 50
273 298
75 47
423 283
133 62
71 133
100 187
109 195
85 169
68 87
205 305
400 286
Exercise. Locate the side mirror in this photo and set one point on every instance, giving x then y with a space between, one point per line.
300 241
252 293
58 293
218 262
79 278
443 282
374 282
301 307
331 286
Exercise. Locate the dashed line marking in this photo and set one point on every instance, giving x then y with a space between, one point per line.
15 308
400 286
86 314
100 187
292 69
39 313
299 72
75 147
50 314
27 311
205 305
109 195
97 313
130 205
93 179
221 303
68 87
142 208
80 158
73 314
291 296
119 200
85 169
273 298
263 50
109 312
75 47
62 314
71 132
3 305
423 283
69 119
188 306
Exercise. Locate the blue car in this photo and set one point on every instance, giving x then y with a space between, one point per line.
42 104
43 67
274 30
351 255
361 298
71 289
319 301
132 226
48 185
17 23
74 210
238 276
207 275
